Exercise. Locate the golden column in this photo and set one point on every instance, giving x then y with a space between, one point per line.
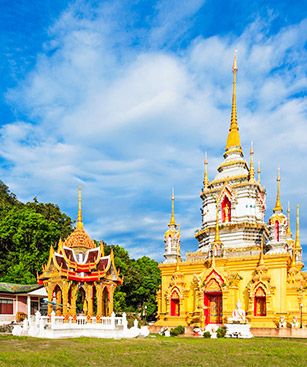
65 300
50 297
89 299
73 301
58 307
111 294
99 295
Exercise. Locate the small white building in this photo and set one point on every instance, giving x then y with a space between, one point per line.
19 298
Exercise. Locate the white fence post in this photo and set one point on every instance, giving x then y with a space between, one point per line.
113 320
37 318
125 322
52 320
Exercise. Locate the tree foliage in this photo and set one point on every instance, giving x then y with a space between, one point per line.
141 281
26 233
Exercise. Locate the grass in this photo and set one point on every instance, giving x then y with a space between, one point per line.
152 351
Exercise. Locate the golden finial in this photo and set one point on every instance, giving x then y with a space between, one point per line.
233 139
217 239
278 207
101 246
79 220
288 232
206 181
60 245
259 172
172 221
251 166
297 244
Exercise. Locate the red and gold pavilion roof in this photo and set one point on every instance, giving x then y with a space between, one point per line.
79 259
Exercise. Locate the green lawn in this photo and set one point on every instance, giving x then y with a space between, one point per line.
152 351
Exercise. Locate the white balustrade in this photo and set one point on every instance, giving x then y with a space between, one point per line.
56 326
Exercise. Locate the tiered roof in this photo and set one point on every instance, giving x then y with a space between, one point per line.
79 258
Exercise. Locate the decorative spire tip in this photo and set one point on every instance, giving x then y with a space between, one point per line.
173 221
79 220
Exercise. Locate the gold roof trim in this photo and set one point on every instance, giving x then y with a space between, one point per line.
79 238
232 163
229 178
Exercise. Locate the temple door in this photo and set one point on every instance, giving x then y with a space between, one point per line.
260 303
213 303
213 308
175 304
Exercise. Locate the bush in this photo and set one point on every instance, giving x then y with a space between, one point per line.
20 316
180 328
221 332
207 334
177 330
6 328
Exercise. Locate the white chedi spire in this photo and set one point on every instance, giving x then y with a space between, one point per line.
172 238
277 225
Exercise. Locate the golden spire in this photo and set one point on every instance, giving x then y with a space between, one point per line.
172 221
278 207
206 181
288 232
233 139
251 166
79 220
297 244
259 172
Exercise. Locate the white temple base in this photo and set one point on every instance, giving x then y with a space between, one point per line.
238 331
55 328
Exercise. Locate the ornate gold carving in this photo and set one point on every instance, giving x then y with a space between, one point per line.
234 279
79 238
213 286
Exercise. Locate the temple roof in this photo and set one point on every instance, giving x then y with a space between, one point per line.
79 238
78 258
18 288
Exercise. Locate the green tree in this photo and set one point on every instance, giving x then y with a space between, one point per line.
28 230
141 281
26 233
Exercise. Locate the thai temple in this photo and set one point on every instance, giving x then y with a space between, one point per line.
240 257
79 278
80 281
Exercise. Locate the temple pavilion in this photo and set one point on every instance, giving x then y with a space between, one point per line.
240 257
79 277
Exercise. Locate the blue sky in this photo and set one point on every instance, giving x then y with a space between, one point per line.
125 97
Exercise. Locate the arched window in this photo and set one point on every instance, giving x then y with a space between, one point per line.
277 230
105 302
175 304
260 303
226 210
57 293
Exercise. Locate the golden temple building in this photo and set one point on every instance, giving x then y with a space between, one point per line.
79 278
240 257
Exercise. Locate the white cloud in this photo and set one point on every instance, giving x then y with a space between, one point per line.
129 123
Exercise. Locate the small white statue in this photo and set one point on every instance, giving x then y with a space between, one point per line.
238 313
295 323
282 322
